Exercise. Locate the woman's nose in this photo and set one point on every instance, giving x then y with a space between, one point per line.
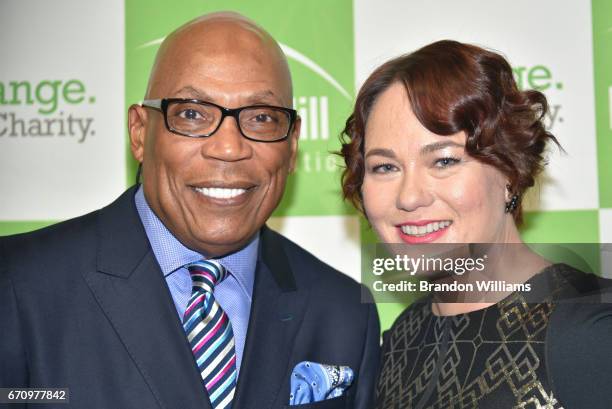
414 192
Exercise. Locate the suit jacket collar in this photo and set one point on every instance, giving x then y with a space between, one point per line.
272 254
122 242
276 315
130 288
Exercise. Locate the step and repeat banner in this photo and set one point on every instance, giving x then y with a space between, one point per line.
71 68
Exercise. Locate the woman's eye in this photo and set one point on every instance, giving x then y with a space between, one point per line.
384 168
446 162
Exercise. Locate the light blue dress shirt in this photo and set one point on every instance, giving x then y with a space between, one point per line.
234 294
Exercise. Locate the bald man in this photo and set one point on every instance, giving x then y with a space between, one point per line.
177 295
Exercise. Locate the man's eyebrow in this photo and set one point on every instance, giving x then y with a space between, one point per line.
263 97
388 153
191 92
432 147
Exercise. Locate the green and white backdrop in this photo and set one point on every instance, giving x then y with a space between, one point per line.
70 68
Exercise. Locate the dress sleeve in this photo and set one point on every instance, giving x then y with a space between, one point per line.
579 353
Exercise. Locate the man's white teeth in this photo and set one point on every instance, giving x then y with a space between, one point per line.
428 228
219 192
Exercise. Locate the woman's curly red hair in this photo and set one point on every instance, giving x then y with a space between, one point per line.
454 87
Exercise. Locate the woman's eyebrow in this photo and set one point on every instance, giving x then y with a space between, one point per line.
381 152
432 147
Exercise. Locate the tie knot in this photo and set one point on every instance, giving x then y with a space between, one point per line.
206 274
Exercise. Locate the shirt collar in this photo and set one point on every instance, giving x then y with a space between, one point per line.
171 254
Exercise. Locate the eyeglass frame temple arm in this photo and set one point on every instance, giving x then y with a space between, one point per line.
152 103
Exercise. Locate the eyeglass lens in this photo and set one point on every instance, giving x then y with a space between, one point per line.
262 123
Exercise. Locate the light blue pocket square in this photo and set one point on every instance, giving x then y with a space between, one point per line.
312 382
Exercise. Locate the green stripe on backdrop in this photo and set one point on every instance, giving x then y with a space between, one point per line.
569 229
561 226
602 66
7 228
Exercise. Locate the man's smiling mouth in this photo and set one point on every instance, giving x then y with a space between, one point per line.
220 192
229 192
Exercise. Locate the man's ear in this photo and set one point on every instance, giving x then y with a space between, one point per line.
293 143
137 119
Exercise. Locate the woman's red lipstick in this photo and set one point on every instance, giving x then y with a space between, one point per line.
425 238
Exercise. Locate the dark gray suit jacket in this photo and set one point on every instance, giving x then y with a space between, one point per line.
84 305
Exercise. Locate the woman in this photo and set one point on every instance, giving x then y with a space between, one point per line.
441 148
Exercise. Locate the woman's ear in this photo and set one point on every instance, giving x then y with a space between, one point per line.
508 192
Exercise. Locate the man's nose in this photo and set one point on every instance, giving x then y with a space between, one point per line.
414 191
227 144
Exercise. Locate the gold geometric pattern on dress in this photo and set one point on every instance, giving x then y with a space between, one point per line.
494 358
517 314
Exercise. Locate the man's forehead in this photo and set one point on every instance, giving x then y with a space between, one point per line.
226 53
222 36
221 21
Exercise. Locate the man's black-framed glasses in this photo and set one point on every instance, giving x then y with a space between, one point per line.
199 119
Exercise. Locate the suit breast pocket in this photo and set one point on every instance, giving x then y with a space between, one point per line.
335 403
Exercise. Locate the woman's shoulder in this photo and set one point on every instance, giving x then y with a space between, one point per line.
582 308
563 283
579 333
582 283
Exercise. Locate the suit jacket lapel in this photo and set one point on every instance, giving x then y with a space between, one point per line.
276 314
131 289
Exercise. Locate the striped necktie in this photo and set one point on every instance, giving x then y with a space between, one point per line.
210 334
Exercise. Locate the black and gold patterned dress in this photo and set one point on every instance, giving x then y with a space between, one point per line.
551 354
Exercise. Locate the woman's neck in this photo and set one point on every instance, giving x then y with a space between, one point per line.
511 262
